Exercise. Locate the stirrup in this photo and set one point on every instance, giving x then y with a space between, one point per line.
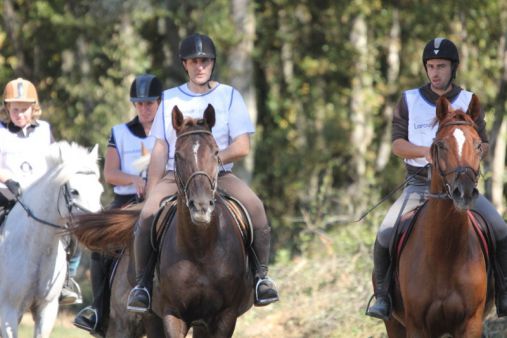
71 293
134 308
369 313
82 314
265 301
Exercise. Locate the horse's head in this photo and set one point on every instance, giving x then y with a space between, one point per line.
196 163
77 173
456 153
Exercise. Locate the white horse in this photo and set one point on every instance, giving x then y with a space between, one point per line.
33 261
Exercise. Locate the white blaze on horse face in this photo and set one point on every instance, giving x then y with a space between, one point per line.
459 135
195 148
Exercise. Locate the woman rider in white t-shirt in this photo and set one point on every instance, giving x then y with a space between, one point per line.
24 142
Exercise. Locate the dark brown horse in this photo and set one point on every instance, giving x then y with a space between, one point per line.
204 278
442 283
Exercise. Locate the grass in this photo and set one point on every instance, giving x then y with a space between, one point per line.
323 295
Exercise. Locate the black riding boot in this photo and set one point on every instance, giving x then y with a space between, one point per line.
91 317
500 279
265 289
382 307
139 299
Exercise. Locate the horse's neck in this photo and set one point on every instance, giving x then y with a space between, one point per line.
448 228
199 239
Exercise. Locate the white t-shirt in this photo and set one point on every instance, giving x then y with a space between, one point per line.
25 157
231 115
129 147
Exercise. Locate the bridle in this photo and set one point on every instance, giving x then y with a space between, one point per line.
183 186
458 171
70 203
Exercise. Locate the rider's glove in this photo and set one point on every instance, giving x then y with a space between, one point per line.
13 187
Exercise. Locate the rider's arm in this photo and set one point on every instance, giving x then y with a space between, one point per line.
158 161
113 175
4 175
239 148
404 149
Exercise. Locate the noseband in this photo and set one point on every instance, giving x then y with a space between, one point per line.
183 187
460 170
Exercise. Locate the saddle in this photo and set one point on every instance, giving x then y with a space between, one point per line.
5 207
167 211
405 225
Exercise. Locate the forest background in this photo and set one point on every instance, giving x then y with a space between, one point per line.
320 78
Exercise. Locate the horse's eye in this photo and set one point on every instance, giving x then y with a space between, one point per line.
441 145
74 192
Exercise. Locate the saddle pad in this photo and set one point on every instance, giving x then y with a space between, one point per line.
241 217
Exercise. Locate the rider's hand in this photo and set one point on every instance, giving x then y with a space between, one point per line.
13 187
140 185
427 155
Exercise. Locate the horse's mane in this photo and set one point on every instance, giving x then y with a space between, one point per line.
63 160
455 115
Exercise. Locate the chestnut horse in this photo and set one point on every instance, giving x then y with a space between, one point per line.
442 285
205 280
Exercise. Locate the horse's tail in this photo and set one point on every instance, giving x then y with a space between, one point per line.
108 230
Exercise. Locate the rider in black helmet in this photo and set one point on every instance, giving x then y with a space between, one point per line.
127 143
412 134
232 133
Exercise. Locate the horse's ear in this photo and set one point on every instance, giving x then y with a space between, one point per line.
95 151
442 108
209 116
474 108
177 119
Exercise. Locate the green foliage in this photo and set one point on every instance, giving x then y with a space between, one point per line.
316 87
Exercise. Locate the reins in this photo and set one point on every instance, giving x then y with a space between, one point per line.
383 199
69 202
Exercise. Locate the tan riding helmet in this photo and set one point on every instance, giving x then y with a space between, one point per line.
20 90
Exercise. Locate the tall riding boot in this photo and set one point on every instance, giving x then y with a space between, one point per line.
500 277
381 262
91 317
265 289
139 299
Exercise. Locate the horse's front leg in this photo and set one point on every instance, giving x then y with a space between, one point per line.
9 323
174 327
473 327
395 329
223 324
44 318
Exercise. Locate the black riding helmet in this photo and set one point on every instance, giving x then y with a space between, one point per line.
146 87
441 48
198 46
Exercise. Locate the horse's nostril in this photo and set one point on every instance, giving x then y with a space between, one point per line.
191 204
212 203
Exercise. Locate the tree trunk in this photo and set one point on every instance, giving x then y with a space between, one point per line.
498 131
393 72
362 132
241 66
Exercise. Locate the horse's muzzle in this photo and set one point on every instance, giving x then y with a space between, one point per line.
464 193
201 210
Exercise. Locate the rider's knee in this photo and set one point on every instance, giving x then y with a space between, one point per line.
384 236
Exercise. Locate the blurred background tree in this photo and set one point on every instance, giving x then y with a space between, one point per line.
320 77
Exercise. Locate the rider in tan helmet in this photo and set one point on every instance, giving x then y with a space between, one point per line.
25 139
